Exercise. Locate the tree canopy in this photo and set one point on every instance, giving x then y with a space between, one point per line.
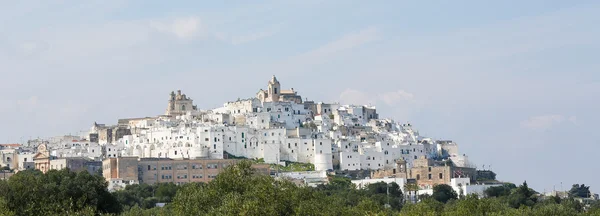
443 193
57 192
580 191
238 190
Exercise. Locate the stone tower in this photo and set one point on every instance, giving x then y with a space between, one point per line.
401 169
274 89
401 165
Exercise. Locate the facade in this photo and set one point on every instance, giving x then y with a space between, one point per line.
179 104
123 171
45 162
274 93
427 172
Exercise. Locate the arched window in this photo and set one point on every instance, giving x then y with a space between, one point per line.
441 176
183 107
418 177
386 152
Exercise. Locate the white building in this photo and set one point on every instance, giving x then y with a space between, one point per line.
275 125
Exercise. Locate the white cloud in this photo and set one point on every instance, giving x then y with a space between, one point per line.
395 104
182 28
352 96
392 98
545 122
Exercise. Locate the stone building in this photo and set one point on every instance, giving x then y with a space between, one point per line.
274 93
103 134
42 158
427 172
179 104
46 162
120 172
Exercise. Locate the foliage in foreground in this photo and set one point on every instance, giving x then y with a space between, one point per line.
56 193
238 191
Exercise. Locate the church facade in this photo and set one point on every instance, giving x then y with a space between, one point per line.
274 93
179 104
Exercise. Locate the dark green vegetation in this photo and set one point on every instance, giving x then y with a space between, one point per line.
238 191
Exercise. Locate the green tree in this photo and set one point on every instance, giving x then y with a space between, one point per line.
522 196
580 191
427 207
443 193
31 192
500 191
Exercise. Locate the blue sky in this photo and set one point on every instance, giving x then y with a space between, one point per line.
515 83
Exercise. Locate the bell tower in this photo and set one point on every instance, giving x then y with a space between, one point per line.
401 168
274 89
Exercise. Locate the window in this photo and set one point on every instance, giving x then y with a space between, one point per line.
175 152
429 175
242 135
211 166
320 143
418 177
441 176
415 157
429 169
148 167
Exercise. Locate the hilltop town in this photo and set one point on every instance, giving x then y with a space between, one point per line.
287 138
276 127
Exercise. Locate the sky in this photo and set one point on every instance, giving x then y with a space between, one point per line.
515 83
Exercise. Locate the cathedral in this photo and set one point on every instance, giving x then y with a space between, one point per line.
179 104
274 93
